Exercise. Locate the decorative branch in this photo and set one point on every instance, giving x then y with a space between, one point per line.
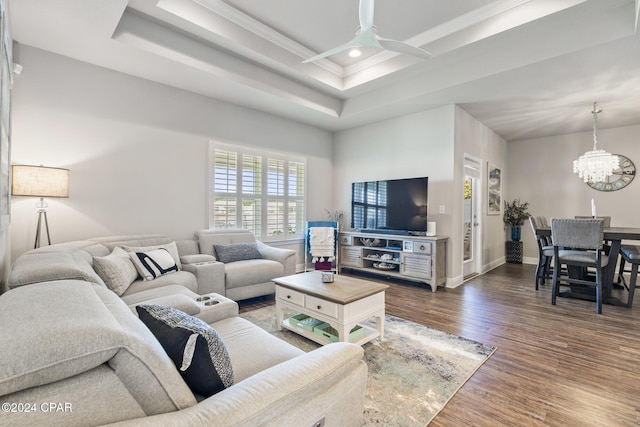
515 213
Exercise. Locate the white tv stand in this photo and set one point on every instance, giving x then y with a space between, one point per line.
417 258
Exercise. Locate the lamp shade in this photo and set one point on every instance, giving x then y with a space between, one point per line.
39 181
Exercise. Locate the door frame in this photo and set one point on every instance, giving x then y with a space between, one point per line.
472 167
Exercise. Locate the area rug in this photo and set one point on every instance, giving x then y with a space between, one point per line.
412 374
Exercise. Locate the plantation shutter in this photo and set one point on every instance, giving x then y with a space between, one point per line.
261 192
225 178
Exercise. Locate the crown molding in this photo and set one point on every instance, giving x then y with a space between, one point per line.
267 33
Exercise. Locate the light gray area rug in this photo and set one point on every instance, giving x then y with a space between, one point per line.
412 374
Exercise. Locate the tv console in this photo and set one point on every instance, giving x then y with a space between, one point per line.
418 258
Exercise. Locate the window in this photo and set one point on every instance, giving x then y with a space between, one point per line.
258 191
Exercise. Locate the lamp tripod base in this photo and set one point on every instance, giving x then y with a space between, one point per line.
42 213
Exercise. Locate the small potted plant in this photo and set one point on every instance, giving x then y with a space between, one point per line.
515 214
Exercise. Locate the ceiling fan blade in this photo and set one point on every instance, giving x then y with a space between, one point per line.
353 43
401 47
366 14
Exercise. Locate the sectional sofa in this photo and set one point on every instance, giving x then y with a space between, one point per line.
246 271
78 350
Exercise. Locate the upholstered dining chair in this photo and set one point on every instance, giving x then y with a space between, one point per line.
629 254
607 224
542 222
585 238
605 219
545 254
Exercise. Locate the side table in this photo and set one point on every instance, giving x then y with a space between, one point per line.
514 252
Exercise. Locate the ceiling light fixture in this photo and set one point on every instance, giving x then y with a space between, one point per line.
354 53
595 165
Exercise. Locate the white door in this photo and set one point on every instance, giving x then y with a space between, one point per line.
471 243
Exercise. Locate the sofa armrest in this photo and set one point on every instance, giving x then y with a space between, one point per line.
325 384
208 272
286 257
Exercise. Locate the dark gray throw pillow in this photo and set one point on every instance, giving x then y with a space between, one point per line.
195 347
236 252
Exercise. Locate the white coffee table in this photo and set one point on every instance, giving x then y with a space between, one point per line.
342 304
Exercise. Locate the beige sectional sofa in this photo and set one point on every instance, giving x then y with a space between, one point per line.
199 270
75 353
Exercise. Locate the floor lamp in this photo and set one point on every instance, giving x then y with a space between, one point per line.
39 181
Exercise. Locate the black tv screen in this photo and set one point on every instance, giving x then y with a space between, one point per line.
398 205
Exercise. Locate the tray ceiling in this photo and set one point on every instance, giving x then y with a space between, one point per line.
525 68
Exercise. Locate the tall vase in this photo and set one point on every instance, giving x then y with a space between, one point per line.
515 233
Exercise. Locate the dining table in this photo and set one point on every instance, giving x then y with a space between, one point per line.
613 236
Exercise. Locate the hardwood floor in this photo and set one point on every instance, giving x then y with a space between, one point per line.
557 365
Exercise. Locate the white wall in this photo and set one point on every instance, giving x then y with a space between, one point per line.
474 138
137 150
541 172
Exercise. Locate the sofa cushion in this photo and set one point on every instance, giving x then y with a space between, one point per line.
35 267
244 341
182 278
116 270
195 347
158 292
251 272
154 263
171 247
236 252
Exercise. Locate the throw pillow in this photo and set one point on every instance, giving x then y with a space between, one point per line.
195 347
172 248
116 270
154 263
237 252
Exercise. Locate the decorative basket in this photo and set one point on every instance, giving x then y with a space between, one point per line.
305 322
327 331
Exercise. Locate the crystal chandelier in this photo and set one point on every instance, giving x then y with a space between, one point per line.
595 165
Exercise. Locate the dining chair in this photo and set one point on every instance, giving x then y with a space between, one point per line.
607 224
606 219
629 254
585 238
545 254
542 222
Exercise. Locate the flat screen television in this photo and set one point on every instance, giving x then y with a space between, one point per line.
396 206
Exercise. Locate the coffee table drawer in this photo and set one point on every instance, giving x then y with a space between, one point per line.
322 306
290 295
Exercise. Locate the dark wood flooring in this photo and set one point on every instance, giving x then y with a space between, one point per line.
557 365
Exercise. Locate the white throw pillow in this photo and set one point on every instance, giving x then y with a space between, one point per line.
116 270
153 264
172 248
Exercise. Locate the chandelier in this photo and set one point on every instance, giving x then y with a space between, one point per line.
595 165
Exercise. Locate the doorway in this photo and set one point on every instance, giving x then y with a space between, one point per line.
471 240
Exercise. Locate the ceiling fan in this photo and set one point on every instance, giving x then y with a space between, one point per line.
366 36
